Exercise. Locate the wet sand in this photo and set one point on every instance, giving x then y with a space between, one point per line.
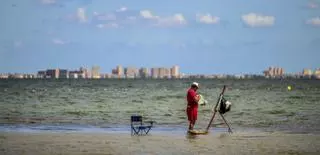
14 143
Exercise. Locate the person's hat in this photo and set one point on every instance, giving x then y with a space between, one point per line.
195 84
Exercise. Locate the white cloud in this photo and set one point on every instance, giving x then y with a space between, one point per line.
81 15
179 18
122 9
48 1
147 14
256 20
314 21
123 17
176 19
58 41
207 19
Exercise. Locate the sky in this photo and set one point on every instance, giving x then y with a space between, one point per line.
200 36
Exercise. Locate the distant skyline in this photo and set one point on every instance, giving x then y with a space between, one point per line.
202 37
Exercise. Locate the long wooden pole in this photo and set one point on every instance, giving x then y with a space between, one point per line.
215 108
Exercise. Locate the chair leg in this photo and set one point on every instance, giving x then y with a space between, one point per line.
147 131
135 131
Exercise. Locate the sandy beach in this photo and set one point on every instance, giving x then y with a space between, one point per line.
13 143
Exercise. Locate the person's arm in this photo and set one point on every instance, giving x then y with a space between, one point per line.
196 97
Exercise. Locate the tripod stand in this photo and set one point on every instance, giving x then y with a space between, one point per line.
215 111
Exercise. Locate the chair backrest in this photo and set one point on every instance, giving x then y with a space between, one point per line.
136 118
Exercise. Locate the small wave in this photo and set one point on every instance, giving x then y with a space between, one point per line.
296 97
137 101
77 113
278 111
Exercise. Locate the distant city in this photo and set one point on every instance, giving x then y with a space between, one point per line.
120 72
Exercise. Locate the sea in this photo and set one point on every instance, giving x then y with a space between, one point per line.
106 105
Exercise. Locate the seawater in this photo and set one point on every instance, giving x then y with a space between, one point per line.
256 104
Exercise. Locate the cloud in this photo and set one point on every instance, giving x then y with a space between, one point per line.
147 14
123 17
81 15
207 19
257 20
119 15
58 41
176 19
314 21
122 9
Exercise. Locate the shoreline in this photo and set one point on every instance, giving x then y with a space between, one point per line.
157 143
116 129
124 129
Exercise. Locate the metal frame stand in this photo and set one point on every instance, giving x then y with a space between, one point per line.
215 111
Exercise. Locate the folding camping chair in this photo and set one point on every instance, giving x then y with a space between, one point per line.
137 125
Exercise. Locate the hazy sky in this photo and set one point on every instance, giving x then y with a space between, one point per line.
201 36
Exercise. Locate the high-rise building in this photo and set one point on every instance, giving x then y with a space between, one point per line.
83 73
74 74
175 72
63 73
144 72
317 73
4 76
274 72
162 72
114 72
28 76
307 73
41 74
120 71
95 72
52 73
155 72
131 72
167 73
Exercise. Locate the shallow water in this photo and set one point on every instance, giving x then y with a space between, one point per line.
257 104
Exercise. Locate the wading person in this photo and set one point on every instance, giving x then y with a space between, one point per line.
192 107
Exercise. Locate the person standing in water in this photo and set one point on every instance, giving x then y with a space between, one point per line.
192 107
